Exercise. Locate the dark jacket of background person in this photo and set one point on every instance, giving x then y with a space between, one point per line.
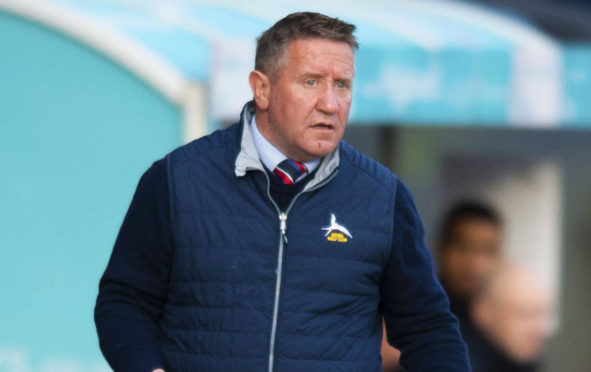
191 283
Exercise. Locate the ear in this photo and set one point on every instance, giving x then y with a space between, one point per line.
261 89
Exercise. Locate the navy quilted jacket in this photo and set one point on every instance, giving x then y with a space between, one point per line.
207 274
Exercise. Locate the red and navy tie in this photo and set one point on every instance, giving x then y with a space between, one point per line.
289 171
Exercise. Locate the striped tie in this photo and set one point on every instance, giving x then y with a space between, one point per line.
289 171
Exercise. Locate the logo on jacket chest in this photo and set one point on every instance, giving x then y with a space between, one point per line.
336 232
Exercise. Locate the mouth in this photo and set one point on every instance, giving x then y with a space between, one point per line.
323 126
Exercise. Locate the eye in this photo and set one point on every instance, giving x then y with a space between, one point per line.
310 82
342 85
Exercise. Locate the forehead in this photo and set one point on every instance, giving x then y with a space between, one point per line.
521 290
320 56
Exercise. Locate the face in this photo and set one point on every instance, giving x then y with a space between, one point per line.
520 325
305 108
516 315
470 256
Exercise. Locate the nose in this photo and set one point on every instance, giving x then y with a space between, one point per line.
328 100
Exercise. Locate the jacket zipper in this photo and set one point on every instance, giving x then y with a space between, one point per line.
282 243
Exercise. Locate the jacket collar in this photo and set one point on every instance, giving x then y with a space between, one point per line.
248 157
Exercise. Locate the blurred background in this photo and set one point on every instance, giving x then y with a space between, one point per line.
487 99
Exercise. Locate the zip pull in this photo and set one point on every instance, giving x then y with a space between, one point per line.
283 226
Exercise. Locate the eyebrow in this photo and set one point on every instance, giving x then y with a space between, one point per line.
319 76
312 75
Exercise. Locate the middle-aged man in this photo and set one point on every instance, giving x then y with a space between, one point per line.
272 245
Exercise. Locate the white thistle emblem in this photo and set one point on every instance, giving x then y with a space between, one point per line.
335 226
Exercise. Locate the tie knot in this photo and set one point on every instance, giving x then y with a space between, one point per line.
289 171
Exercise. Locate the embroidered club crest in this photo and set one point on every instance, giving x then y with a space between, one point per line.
336 232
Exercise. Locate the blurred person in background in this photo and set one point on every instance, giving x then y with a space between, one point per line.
469 248
512 312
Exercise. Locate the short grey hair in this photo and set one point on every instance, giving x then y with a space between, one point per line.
272 43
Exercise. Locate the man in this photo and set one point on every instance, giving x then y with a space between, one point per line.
512 311
469 249
272 245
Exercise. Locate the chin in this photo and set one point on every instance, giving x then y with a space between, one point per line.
316 154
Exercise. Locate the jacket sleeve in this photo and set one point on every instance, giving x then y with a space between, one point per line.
133 289
414 306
